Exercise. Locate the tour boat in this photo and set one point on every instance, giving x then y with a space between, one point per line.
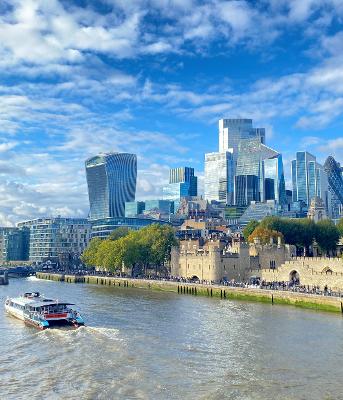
41 312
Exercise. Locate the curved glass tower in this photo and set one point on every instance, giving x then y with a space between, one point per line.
111 179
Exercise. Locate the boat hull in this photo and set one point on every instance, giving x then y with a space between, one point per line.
44 324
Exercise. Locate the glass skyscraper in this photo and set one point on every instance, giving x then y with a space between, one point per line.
274 180
232 131
219 177
182 183
111 180
308 179
259 174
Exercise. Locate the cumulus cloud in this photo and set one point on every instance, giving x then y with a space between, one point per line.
79 80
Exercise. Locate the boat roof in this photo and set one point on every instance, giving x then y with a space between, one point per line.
38 301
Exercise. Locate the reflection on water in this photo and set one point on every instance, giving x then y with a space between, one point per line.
150 345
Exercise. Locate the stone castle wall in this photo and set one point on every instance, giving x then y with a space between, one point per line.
316 271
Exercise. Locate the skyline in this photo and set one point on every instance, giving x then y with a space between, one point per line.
153 78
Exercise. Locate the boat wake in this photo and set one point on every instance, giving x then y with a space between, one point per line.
83 332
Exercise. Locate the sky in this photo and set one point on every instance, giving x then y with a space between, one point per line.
153 77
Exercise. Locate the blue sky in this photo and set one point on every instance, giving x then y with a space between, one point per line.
153 77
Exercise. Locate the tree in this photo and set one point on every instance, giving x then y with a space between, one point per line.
265 235
340 227
249 229
298 232
327 235
89 255
118 233
138 250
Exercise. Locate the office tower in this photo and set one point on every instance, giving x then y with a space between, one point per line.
111 179
232 131
134 208
51 238
335 183
309 179
219 177
335 177
259 174
274 180
182 183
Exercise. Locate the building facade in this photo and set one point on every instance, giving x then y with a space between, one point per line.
134 208
309 179
233 130
111 180
14 244
259 174
182 183
53 238
219 170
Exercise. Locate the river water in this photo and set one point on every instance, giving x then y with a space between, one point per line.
150 345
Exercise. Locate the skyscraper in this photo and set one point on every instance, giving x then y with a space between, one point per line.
219 177
182 183
111 179
233 130
259 173
308 179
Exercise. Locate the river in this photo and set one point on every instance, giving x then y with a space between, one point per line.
151 345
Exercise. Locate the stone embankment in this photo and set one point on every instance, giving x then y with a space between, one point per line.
323 303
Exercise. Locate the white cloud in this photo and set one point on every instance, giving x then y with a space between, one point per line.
7 146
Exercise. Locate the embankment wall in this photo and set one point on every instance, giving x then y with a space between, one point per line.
324 303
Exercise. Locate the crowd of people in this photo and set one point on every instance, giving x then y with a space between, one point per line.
256 283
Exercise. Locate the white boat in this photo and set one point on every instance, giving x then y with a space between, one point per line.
36 310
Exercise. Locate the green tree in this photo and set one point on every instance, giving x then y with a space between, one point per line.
340 227
298 232
265 235
327 235
249 229
118 233
89 255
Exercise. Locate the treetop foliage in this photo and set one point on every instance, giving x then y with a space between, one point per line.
302 232
140 250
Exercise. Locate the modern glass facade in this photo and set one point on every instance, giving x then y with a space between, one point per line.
219 177
309 179
134 208
14 244
111 180
163 206
182 183
258 166
102 228
50 238
274 180
232 131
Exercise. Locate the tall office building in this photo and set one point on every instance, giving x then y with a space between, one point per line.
274 180
334 172
309 179
259 174
219 177
233 130
111 179
182 183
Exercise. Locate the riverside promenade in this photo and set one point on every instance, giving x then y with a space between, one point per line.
311 301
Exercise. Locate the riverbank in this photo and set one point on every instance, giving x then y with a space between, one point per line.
322 303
